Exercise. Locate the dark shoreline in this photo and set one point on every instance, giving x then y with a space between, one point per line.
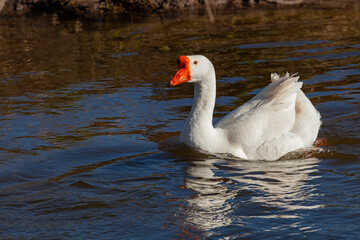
102 9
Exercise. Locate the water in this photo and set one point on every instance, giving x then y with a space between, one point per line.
88 128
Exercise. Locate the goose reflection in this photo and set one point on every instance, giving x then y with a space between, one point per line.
224 188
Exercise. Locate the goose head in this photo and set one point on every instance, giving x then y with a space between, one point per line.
193 69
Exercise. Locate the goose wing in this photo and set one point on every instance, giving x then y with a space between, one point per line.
268 115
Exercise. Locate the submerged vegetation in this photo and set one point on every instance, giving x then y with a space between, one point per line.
95 9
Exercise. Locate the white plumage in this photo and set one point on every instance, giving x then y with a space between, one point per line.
278 120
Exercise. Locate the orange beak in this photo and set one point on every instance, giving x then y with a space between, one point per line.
183 74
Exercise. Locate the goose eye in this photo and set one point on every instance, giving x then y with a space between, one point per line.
195 62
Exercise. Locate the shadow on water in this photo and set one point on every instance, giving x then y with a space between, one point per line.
270 190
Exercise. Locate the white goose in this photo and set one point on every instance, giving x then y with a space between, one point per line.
278 120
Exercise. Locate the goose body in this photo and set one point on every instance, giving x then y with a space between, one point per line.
278 120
